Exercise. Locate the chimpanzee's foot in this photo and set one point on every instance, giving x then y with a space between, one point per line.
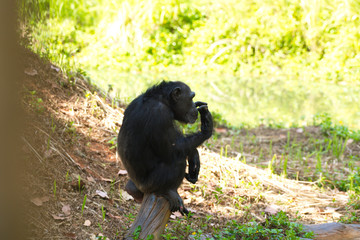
131 189
176 203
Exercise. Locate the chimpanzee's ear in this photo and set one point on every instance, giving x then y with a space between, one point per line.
175 94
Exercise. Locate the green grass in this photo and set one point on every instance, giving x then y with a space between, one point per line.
278 226
83 205
272 62
339 130
275 227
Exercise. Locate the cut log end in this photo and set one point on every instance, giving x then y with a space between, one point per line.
335 231
153 215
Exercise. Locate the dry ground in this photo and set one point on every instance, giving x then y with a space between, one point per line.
70 155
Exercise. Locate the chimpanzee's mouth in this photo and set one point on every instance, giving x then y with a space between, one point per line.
193 116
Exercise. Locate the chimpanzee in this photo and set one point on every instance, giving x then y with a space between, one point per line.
152 148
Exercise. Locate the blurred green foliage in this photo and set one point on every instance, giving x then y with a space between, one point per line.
228 34
273 48
330 128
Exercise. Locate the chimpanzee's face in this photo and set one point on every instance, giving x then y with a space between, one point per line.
184 108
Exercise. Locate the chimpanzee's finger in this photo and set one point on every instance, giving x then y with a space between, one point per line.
198 104
203 109
184 211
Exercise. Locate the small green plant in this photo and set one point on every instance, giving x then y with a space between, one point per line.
53 125
112 187
350 218
71 128
130 217
331 129
352 182
271 164
182 227
137 232
218 193
48 143
284 173
103 211
168 236
338 146
83 205
100 227
149 237
113 143
36 102
318 162
79 183
67 177
261 155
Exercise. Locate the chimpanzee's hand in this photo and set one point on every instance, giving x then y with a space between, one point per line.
194 166
190 178
198 103
206 119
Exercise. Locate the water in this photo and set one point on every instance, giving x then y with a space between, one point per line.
251 101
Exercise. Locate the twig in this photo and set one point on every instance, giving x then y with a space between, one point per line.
33 150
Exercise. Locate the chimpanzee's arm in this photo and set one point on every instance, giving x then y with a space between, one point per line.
190 142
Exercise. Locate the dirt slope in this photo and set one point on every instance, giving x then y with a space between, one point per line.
66 145
73 188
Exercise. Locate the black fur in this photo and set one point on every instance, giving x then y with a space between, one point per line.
151 147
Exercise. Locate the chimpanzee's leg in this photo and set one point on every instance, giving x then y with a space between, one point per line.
134 191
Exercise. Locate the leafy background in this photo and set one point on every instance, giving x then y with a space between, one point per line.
276 62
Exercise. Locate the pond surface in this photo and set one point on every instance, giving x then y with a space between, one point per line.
252 101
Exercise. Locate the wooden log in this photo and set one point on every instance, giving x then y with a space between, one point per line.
335 231
153 215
